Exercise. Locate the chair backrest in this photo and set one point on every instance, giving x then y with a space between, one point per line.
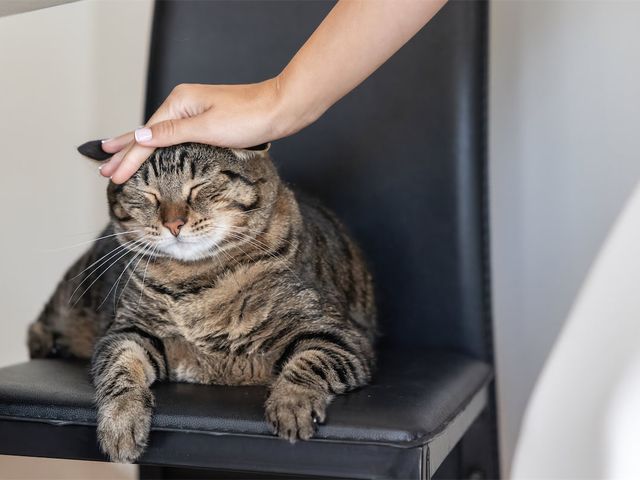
401 159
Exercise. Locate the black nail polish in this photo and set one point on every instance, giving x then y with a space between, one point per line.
93 150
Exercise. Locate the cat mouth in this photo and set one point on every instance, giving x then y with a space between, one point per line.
190 249
180 239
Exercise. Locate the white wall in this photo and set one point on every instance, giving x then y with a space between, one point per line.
564 149
68 74
582 419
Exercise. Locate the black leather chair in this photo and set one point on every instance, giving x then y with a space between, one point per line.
403 161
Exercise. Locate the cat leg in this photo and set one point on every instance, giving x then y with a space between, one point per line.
64 333
40 341
43 334
314 367
127 360
63 328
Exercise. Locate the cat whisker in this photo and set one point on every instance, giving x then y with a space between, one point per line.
256 242
141 255
264 250
217 248
246 238
89 241
241 230
122 255
115 252
233 260
88 276
251 230
117 282
144 252
80 234
118 234
261 247
144 276
109 254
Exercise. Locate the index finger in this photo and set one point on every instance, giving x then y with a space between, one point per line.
115 144
133 158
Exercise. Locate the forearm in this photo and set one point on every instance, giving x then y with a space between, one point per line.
349 45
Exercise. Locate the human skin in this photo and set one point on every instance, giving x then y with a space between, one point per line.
355 38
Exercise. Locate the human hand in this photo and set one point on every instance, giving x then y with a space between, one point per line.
333 61
237 116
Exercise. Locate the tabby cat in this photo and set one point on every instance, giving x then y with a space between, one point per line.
212 271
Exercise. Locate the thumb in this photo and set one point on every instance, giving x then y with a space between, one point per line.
171 132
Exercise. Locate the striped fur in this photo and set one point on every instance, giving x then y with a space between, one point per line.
260 287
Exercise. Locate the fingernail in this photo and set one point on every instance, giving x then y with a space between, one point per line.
106 140
143 134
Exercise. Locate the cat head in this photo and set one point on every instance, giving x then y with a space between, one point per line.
190 201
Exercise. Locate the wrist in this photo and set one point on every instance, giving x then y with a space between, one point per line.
293 108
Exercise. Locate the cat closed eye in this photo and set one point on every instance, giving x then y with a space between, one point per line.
194 190
154 197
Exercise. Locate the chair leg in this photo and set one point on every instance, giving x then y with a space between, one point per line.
479 448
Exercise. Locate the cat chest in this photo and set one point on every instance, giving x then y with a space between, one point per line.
187 363
199 302
216 317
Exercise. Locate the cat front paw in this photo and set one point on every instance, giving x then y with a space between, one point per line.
123 425
294 411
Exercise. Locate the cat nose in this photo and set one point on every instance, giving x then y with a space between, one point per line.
174 226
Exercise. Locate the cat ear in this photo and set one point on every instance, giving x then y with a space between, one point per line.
251 152
93 150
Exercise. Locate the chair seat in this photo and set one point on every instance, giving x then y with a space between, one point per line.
419 405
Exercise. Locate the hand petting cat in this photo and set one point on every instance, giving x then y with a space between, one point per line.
329 65
236 116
